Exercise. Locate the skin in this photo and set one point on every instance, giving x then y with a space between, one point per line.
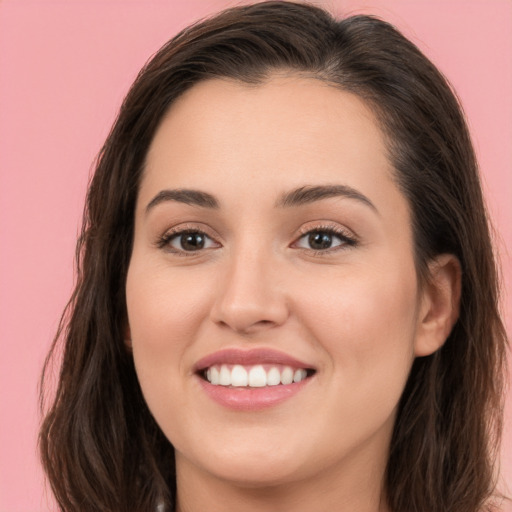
354 312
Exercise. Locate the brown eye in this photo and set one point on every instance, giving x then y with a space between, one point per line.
191 241
320 240
187 241
324 239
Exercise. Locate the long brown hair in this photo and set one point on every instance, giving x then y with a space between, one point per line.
100 446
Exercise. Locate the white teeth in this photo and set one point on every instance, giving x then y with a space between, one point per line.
225 376
253 376
273 377
299 375
257 377
214 375
238 376
287 375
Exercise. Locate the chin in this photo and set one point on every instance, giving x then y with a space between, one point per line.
252 465
264 473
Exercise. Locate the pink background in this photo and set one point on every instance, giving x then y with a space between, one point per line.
64 69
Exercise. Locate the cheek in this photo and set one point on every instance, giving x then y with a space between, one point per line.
165 309
366 324
165 315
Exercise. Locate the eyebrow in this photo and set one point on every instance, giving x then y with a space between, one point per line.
187 196
311 193
300 196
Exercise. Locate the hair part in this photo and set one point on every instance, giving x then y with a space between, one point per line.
100 446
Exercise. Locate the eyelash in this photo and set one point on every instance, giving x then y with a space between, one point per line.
164 241
347 240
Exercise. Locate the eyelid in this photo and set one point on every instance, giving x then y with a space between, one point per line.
347 237
163 241
327 226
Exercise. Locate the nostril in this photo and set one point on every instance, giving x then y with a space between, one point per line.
247 328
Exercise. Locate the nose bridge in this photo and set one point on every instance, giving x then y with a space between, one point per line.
250 295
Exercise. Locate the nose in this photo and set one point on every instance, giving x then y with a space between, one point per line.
251 295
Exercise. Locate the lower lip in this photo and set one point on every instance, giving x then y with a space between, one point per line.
252 399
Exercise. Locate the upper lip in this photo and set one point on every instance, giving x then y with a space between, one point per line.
249 357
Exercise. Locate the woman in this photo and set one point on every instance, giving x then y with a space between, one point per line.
287 297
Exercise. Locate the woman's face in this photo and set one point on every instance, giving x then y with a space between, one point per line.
271 243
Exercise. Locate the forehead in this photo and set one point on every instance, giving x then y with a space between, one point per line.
287 132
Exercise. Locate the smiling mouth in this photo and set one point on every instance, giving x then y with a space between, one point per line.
252 380
254 376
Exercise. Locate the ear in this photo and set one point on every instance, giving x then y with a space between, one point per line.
439 307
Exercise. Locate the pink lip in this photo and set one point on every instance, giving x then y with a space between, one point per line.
252 399
249 357
245 398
